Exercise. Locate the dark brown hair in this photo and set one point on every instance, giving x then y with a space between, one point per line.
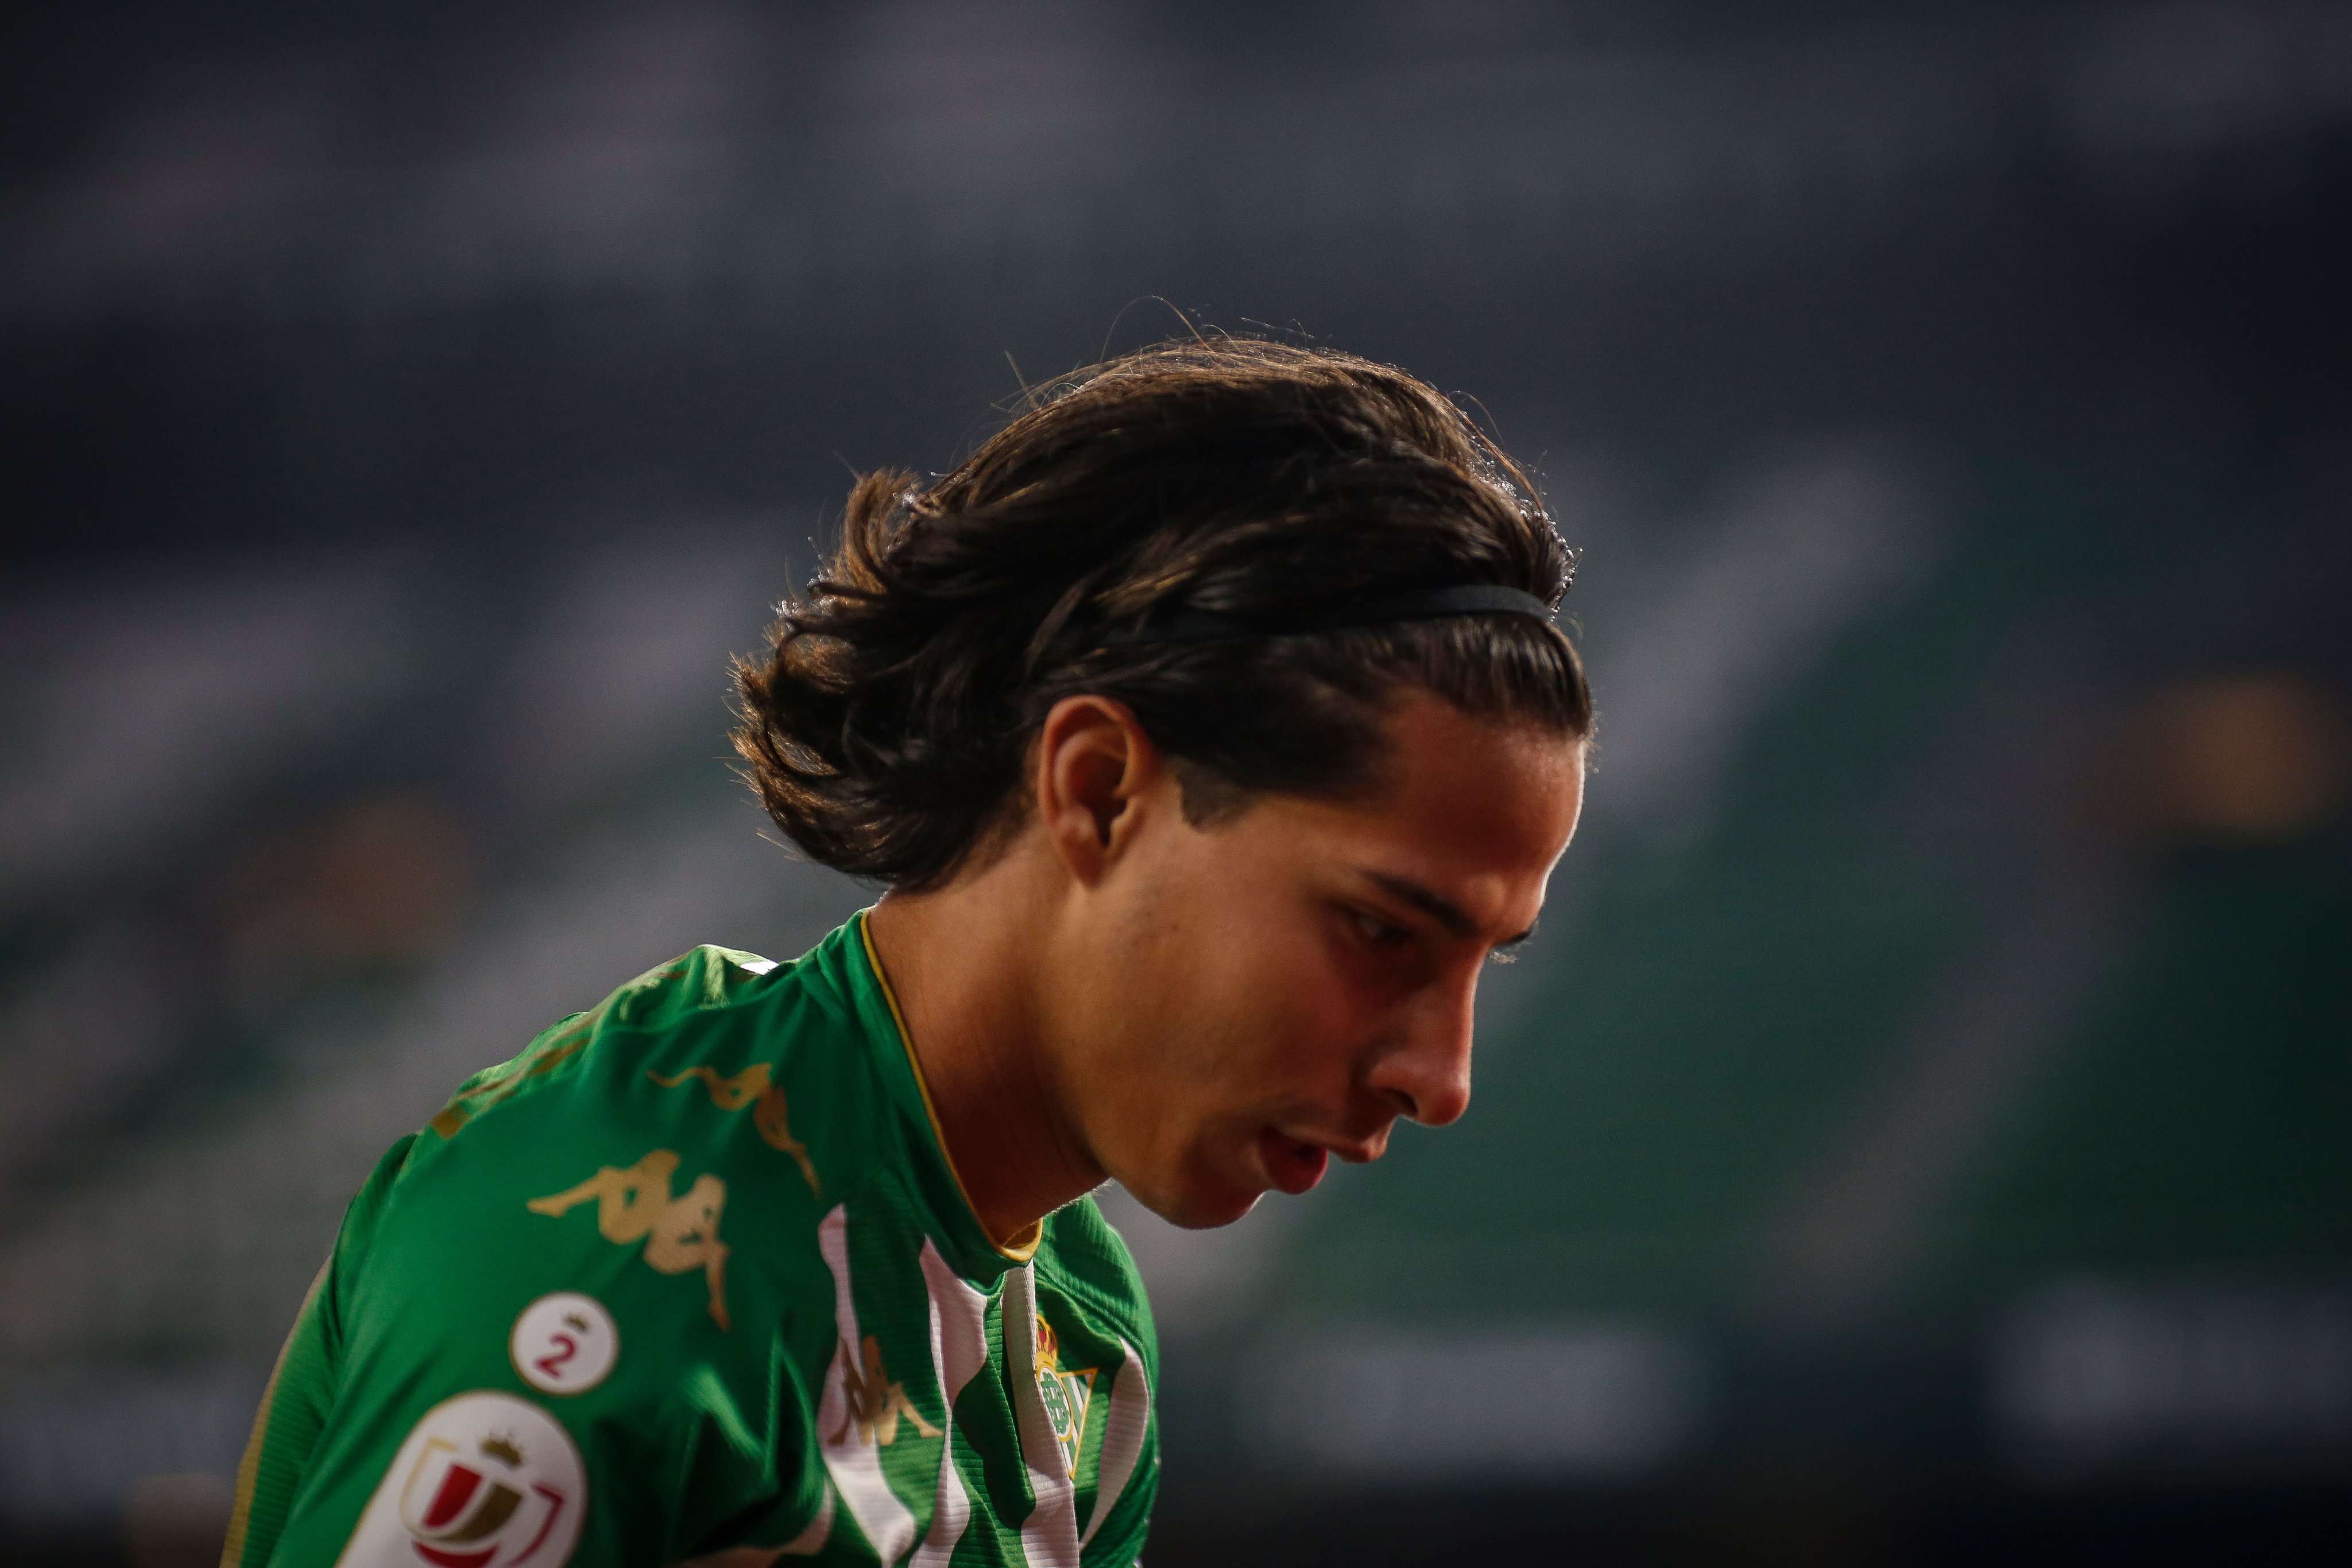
887 728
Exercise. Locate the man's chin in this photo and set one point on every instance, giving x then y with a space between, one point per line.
1199 1207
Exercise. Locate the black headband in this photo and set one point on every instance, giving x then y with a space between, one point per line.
1421 605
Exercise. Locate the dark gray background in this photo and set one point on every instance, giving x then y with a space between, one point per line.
1923 1131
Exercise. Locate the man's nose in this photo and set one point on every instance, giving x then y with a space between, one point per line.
1426 1074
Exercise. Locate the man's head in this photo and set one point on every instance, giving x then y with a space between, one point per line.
1263 864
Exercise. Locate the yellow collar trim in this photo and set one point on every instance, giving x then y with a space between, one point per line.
1022 1245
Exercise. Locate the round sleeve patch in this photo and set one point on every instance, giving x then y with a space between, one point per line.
485 1480
564 1344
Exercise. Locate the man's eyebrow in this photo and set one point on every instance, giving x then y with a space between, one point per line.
1443 910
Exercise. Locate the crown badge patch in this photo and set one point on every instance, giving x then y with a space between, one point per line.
1067 1395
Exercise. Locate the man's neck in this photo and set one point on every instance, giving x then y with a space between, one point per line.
965 964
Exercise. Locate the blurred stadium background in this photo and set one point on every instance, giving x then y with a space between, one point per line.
1921 1134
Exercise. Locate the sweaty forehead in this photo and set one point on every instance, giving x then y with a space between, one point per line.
1472 812
1482 785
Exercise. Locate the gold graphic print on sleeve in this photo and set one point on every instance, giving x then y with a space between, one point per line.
634 1205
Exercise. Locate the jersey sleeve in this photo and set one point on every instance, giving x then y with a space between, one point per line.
528 1350
296 1402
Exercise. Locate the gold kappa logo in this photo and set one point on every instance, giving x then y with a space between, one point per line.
753 1086
1066 1394
634 1205
875 1402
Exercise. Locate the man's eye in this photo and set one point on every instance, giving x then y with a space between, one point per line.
1378 932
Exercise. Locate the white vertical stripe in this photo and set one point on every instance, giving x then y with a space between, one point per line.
854 1462
959 1349
1049 1539
1123 1432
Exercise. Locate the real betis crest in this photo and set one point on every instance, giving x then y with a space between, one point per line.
1067 1394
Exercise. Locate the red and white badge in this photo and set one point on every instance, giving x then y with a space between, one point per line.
564 1344
485 1480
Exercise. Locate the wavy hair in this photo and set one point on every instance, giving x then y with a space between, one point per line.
886 726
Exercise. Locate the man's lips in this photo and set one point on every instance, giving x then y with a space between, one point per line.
1292 1165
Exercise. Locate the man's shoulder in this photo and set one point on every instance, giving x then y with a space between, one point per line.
1084 1255
706 1115
709 981
718 1067
741 1026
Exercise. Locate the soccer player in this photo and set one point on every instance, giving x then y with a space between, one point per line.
1208 730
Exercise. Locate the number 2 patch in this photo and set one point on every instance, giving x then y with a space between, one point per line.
564 1344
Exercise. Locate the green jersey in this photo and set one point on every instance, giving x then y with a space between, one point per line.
693 1278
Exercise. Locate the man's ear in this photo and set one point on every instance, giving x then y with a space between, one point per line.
1092 768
